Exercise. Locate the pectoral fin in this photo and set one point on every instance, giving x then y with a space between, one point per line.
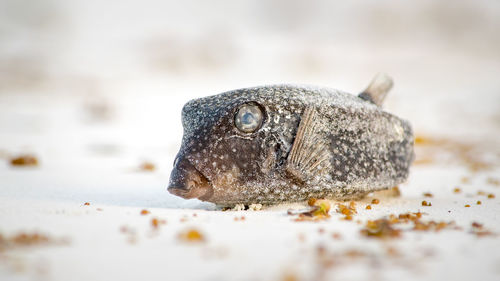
310 155
378 89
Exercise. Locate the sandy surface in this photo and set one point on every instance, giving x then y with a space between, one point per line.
95 90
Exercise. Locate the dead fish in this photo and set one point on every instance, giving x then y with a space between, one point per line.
286 143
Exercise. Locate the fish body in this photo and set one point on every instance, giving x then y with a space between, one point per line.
285 143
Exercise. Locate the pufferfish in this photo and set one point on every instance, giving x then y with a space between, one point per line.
286 143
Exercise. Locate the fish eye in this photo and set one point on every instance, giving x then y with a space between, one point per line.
248 118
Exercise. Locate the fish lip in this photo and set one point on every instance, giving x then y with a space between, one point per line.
194 184
202 193
178 191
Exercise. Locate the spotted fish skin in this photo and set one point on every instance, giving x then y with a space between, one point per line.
313 143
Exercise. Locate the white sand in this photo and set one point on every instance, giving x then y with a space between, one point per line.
108 96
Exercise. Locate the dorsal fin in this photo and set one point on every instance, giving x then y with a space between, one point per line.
378 89
310 155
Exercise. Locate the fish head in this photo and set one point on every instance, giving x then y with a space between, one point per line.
233 145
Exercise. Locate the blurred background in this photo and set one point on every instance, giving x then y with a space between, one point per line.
91 94
91 85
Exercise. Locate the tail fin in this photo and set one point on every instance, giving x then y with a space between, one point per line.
378 89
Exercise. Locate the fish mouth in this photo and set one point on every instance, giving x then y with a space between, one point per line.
188 182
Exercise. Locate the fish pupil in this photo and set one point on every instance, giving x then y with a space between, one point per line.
248 119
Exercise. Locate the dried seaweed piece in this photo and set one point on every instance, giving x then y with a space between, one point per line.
155 222
432 225
336 236
147 167
395 192
493 181
476 225
427 204
242 218
381 229
25 239
479 230
347 211
24 160
191 236
410 216
414 218
470 155
319 211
